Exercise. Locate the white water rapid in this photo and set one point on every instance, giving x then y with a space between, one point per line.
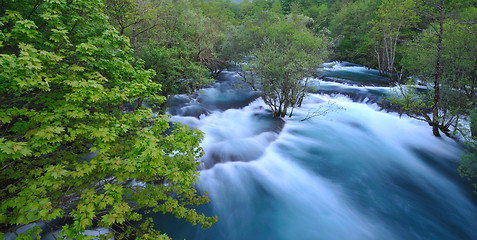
349 171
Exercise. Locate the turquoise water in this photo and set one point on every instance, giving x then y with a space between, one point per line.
352 73
350 171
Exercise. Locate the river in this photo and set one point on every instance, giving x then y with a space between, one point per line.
340 168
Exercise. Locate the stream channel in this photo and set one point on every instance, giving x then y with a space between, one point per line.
351 170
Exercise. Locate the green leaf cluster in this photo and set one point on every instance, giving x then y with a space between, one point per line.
75 143
178 39
468 164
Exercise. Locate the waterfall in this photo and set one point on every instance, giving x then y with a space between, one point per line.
340 168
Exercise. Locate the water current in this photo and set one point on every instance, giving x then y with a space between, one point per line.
340 168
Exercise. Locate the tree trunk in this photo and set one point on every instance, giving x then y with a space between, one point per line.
435 106
473 86
383 61
376 50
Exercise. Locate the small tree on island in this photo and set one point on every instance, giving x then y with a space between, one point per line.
283 54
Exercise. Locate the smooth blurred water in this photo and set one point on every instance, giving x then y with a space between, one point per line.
350 171
349 72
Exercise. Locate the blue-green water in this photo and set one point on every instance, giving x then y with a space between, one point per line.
350 171
352 73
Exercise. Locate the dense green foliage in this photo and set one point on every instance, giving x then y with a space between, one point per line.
351 26
175 38
282 54
392 21
442 56
75 142
468 164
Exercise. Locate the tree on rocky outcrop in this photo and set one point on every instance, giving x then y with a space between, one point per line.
282 55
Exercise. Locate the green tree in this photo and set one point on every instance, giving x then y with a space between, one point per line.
73 136
443 57
464 58
391 20
283 53
178 39
221 16
350 26
121 13
436 11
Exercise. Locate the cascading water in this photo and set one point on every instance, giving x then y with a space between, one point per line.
349 171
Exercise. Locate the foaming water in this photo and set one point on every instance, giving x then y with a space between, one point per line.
352 73
228 92
327 86
235 134
349 171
